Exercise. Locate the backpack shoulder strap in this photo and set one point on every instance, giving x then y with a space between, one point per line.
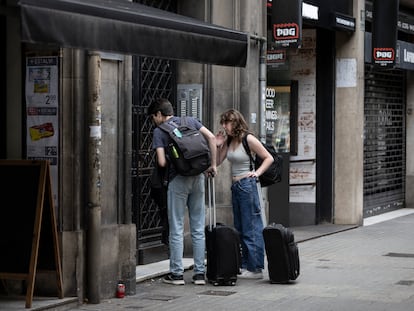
247 149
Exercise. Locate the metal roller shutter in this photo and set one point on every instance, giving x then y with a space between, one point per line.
384 144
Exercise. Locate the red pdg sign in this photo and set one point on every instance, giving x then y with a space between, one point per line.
287 23
384 55
384 32
286 31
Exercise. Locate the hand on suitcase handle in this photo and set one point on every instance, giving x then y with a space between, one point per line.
211 172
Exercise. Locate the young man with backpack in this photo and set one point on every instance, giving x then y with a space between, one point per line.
183 192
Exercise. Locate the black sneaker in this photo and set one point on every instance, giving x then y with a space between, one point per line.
198 279
174 279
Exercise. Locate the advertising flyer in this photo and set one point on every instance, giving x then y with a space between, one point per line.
42 137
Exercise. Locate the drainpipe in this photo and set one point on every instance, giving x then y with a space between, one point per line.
94 179
262 84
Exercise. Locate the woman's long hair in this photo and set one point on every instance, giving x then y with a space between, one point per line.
239 124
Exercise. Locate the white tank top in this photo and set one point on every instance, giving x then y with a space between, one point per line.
240 161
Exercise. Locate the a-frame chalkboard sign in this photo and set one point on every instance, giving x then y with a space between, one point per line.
28 230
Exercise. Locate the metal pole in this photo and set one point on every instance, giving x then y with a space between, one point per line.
94 180
262 110
262 84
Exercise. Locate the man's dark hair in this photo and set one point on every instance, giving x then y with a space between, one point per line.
162 105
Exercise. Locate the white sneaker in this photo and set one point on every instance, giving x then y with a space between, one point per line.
246 274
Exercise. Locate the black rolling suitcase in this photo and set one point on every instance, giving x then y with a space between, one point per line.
282 253
223 246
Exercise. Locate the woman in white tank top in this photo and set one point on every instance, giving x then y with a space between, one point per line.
245 199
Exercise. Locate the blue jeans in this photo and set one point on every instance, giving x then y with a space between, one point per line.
186 192
247 220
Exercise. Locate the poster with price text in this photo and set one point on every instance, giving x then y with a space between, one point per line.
42 136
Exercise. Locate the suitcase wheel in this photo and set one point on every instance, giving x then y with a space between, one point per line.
229 283
223 282
214 282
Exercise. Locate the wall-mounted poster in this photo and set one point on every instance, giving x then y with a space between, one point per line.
42 135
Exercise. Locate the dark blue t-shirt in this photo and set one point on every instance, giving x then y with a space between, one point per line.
161 138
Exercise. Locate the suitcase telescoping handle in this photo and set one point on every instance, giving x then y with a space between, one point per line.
211 202
262 205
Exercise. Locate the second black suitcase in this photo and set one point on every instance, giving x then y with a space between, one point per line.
223 247
282 253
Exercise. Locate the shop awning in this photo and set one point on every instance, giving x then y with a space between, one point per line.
131 28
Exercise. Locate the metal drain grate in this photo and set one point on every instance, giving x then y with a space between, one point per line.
405 282
160 297
217 293
400 255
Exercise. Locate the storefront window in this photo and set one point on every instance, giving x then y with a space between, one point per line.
281 111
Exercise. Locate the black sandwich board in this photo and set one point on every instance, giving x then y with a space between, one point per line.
28 230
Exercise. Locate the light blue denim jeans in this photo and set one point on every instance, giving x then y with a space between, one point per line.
186 193
248 221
